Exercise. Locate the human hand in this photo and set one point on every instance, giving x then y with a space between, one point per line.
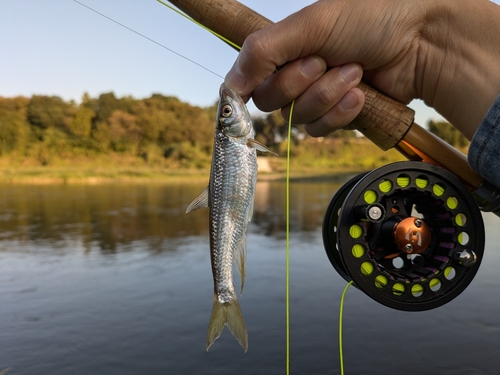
404 49
324 100
333 34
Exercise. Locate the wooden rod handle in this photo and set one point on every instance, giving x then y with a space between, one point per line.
228 18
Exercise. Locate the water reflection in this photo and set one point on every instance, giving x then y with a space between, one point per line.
112 215
116 279
105 215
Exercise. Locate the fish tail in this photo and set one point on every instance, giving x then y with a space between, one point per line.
229 314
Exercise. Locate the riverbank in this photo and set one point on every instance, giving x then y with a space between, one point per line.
55 175
321 161
81 175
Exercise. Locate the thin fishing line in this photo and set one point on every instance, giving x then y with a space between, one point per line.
287 236
341 315
151 40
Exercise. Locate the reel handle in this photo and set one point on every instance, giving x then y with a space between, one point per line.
385 121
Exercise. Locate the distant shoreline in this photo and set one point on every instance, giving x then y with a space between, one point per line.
319 161
54 175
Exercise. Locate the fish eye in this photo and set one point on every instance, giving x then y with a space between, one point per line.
226 110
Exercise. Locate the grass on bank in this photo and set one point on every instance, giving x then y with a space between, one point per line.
317 157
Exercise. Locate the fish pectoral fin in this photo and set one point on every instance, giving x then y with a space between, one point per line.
227 314
240 258
201 201
259 146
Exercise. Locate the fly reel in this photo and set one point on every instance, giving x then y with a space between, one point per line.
409 234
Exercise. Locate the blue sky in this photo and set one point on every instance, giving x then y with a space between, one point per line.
59 47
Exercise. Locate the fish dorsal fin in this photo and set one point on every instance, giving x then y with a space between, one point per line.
259 146
240 257
201 201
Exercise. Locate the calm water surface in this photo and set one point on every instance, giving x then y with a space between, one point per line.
115 279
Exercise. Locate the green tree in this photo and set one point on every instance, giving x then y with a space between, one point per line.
151 115
272 131
107 103
101 135
125 134
160 129
47 111
18 104
81 123
14 132
448 133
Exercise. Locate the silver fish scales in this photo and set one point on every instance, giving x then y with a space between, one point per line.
229 196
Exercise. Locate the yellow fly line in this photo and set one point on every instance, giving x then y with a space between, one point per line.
201 25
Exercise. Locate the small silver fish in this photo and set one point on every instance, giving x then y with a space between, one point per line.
229 196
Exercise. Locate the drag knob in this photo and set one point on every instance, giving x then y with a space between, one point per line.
412 235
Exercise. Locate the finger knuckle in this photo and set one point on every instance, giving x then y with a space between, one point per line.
325 95
254 46
284 89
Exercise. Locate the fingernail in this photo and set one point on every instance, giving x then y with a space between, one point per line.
236 81
350 72
312 66
349 101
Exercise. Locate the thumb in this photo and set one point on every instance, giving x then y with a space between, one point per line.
253 65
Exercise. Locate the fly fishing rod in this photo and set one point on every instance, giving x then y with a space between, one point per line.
409 234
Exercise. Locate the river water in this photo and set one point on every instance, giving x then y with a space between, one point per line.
116 279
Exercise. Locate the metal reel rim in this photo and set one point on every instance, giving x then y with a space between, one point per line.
330 226
366 283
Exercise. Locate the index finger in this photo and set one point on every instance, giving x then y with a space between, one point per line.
271 47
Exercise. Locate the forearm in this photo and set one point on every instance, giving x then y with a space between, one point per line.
458 72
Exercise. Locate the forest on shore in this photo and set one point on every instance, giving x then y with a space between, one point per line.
161 133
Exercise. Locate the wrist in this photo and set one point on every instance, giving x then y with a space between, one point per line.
458 70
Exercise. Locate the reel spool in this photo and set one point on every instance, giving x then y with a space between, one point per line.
409 234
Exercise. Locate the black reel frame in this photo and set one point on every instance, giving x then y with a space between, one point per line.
409 234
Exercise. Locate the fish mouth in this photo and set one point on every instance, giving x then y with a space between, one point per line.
225 92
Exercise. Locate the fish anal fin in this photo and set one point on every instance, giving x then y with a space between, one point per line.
229 314
201 201
249 213
259 146
240 258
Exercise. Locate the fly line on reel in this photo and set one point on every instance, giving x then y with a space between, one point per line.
409 235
